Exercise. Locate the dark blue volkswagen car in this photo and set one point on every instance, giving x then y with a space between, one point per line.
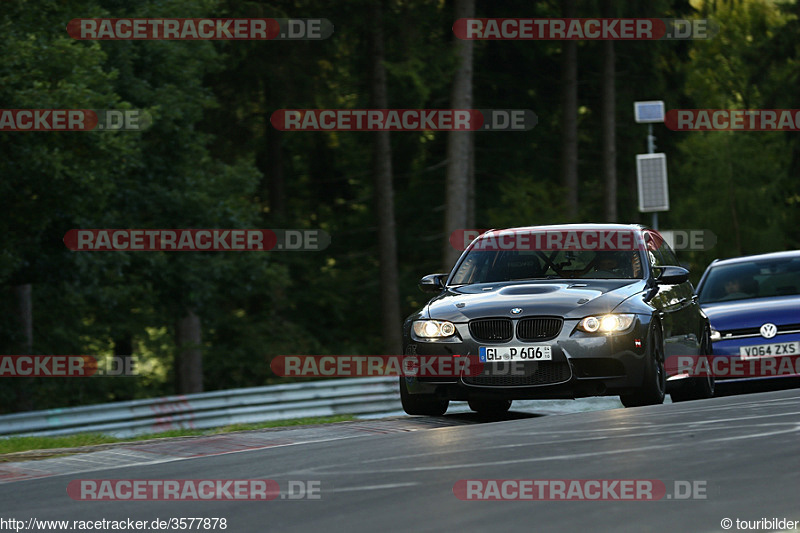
753 304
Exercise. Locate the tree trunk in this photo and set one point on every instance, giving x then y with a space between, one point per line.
457 191
737 234
569 130
189 357
23 296
269 161
277 185
608 114
471 184
384 196
123 345
123 352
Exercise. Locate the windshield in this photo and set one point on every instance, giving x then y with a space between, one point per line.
752 279
482 266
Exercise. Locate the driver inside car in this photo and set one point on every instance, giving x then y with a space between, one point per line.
739 287
616 265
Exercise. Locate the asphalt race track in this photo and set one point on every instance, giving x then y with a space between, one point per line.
743 450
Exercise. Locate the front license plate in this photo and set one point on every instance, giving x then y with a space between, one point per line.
490 354
769 350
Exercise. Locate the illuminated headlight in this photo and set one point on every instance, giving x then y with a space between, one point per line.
606 323
715 335
434 329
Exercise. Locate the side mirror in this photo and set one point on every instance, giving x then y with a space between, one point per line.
432 283
672 275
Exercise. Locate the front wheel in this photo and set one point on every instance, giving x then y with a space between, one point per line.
653 388
421 404
698 388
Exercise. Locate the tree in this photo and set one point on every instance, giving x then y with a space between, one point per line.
188 338
457 191
569 121
725 177
46 181
384 192
609 122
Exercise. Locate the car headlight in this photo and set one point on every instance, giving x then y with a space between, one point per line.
606 323
434 329
715 335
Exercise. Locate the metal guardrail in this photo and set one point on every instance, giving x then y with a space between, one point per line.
355 396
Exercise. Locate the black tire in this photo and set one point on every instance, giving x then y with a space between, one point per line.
698 388
652 391
421 404
491 407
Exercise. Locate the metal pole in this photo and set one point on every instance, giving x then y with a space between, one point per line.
651 148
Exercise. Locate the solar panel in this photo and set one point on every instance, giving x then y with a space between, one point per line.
652 111
651 176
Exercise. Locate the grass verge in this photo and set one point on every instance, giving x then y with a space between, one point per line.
25 444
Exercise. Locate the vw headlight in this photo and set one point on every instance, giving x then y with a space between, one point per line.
613 323
434 329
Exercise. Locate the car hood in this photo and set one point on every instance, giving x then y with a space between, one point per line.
741 314
566 298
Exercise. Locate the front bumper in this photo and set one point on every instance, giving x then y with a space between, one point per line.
730 348
582 365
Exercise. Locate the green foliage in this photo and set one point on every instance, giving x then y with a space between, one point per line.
209 160
729 191
738 184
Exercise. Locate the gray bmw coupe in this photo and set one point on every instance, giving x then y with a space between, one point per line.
561 311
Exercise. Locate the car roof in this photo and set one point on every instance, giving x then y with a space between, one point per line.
745 258
574 227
